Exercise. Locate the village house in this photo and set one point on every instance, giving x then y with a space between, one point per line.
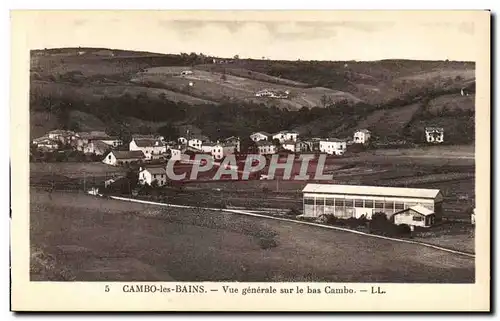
361 136
303 146
289 145
417 215
151 147
151 174
186 72
96 147
259 136
45 143
64 136
196 141
233 141
473 217
182 140
434 135
89 138
116 158
265 147
286 135
332 146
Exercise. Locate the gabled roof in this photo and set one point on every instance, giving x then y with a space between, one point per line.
95 135
148 143
156 170
366 131
417 208
262 133
99 145
128 154
371 190
232 138
289 142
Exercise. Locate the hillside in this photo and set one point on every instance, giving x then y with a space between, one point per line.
122 91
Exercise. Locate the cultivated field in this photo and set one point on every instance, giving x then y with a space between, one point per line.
211 86
81 238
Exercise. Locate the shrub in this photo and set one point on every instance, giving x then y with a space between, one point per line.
293 212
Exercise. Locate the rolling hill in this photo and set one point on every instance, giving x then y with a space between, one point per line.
393 98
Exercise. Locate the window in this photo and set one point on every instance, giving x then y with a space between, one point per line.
330 202
339 202
154 175
379 204
418 218
358 203
309 201
349 203
399 206
368 204
389 205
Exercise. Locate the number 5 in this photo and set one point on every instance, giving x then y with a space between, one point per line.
106 288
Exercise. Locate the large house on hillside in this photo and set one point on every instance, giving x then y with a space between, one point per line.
116 158
333 146
434 134
258 136
361 136
151 147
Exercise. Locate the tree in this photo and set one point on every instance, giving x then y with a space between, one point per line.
168 131
236 57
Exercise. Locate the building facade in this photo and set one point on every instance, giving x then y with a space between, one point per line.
266 148
345 201
333 146
434 135
259 136
148 175
152 148
117 158
415 216
361 136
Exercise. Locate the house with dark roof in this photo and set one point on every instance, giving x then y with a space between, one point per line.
116 158
150 174
151 147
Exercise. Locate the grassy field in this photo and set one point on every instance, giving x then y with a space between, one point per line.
210 86
80 238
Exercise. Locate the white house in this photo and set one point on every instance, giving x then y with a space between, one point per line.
218 150
116 158
266 148
182 140
46 143
361 136
186 72
473 217
149 175
285 135
196 141
434 135
332 146
89 138
290 145
176 154
417 215
152 148
259 136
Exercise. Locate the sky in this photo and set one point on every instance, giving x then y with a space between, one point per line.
283 35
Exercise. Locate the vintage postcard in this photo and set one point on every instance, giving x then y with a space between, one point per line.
250 161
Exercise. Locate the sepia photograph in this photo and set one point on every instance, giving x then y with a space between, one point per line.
255 147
